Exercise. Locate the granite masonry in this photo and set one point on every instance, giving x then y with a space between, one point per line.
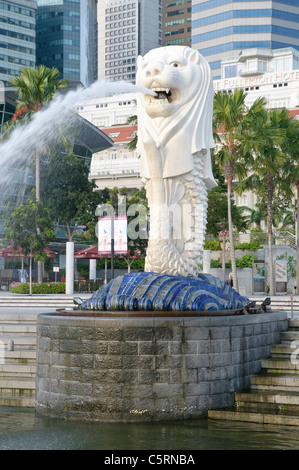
121 369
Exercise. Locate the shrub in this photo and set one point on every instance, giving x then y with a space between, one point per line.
244 262
252 246
212 245
38 288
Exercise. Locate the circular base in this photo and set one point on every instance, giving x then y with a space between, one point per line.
108 366
146 314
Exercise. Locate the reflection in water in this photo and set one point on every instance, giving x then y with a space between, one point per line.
25 430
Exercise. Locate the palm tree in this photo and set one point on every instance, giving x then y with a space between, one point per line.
35 87
233 148
272 170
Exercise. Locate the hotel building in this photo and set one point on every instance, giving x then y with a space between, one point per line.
222 28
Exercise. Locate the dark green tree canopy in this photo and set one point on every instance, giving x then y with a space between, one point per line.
67 191
21 228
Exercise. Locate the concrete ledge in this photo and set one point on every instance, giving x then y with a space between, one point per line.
148 369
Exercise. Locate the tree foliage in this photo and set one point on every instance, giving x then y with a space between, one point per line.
35 87
21 228
231 123
68 193
273 169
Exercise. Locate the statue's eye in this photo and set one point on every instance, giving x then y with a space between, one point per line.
176 64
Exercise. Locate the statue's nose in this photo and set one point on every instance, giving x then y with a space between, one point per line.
153 69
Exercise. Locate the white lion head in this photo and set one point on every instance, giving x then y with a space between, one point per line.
180 115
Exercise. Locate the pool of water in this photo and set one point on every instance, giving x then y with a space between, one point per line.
22 429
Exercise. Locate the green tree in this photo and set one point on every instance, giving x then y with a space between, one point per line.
21 230
217 216
67 192
283 214
35 86
231 122
272 169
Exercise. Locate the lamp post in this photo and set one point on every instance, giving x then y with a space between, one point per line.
223 235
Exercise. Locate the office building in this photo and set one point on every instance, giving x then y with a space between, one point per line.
66 32
17 37
222 28
177 22
126 29
17 48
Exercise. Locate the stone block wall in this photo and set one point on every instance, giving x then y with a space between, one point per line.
148 369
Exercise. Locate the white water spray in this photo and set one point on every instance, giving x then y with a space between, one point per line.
44 124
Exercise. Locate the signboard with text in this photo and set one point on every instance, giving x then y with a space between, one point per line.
105 235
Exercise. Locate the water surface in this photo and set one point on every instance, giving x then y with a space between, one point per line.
22 429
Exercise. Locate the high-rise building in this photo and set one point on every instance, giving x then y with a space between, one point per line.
177 22
126 29
222 28
17 37
17 48
66 38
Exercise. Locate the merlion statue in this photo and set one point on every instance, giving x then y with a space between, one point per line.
174 141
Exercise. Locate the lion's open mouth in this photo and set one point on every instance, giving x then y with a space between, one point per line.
163 94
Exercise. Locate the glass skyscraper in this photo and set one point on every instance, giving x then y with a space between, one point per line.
223 28
66 38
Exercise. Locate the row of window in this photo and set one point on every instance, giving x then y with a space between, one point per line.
246 29
256 13
13 34
14 9
116 63
71 70
120 16
174 32
176 3
121 47
16 22
59 42
119 24
122 70
240 45
116 32
127 6
17 48
216 3
53 14
58 27
175 22
8 71
175 13
121 55
110 74
120 40
175 42
16 60
48 58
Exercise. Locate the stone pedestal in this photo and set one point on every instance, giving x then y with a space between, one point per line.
120 369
